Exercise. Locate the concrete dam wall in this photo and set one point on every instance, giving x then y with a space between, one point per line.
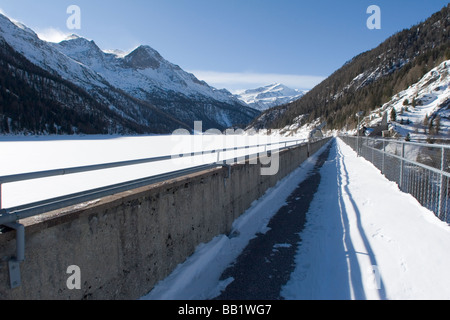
120 246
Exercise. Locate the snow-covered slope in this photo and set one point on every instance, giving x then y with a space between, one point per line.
146 75
429 97
131 84
269 96
26 42
141 71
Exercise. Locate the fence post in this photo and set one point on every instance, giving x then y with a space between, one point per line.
357 146
373 150
401 166
384 156
441 185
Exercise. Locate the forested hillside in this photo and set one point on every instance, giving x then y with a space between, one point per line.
371 78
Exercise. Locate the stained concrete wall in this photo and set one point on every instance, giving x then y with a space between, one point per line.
124 244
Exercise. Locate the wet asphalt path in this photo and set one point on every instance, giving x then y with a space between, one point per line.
266 264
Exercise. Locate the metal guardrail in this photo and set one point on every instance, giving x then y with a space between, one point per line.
422 170
11 215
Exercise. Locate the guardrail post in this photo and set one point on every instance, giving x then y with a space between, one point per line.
14 263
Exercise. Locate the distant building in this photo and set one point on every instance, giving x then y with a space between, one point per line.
380 129
317 133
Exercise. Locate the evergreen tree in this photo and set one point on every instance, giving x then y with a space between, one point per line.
393 115
437 127
408 137
426 121
431 126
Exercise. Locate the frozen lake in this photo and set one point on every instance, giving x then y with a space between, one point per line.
41 153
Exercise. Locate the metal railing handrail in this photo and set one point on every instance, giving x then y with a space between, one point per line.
13 214
36 208
433 194
393 140
102 166
424 166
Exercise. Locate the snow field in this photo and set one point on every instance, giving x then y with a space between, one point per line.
32 154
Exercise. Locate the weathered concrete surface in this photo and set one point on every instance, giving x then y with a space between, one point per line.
124 244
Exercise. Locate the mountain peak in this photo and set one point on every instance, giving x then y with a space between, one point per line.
76 40
80 49
270 96
144 57
73 36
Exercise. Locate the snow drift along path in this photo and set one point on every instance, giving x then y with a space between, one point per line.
365 239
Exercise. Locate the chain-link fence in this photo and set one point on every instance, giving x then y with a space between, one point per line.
423 170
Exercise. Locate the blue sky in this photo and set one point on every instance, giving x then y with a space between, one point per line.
236 44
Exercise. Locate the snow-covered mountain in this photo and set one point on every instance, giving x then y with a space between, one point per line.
140 72
266 97
429 99
141 86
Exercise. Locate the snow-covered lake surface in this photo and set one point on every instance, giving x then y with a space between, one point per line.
364 239
32 154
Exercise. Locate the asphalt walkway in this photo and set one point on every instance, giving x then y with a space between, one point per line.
266 264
